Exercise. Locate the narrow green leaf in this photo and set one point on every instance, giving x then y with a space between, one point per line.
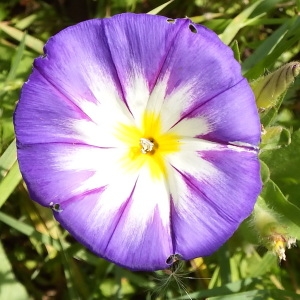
233 287
249 295
282 41
69 276
265 48
30 231
268 261
31 42
156 10
236 50
9 82
206 17
26 22
224 263
214 280
7 159
259 295
237 23
9 182
17 59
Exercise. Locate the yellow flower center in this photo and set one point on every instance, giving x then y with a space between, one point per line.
147 145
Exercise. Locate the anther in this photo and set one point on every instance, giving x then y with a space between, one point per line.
146 145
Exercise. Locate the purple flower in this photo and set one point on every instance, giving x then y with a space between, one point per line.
141 134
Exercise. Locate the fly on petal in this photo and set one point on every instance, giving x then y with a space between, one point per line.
141 135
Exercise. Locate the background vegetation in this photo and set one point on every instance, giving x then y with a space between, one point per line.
39 260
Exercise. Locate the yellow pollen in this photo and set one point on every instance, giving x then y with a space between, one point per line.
147 145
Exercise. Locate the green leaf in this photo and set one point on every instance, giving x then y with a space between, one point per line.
236 51
274 138
31 42
9 182
224 259
16 59
30 231
73 288
26 22
233 287
268 261
282 40
7 159
156 10
259 295
286 212
206 17
284 163
237 23
10 288
264 49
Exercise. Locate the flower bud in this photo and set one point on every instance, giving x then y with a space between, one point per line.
268 89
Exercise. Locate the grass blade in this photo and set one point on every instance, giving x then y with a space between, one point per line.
31 42
156 10
9 182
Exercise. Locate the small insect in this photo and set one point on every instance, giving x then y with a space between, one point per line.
172 259
55 207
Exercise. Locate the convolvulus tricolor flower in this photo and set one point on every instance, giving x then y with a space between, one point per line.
141 134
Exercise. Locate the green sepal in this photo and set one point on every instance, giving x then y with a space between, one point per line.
274 138
287 214
265 172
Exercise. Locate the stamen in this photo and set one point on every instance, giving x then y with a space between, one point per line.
146 145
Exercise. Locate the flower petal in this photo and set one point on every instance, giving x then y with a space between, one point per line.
232 117
133 230
57 172
160 59
56 119
213 190
82 70
194 73
224 126
139 45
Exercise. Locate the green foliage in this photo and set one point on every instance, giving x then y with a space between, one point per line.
10 287
40 260
284 165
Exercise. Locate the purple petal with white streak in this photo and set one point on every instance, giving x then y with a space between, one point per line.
213 191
